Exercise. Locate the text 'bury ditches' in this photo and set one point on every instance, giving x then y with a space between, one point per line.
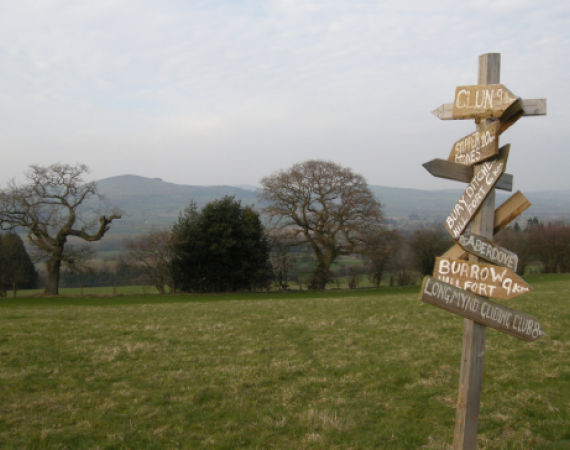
485 178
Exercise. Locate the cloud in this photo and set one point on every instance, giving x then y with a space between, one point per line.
225 92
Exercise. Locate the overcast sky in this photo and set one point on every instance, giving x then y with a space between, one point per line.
229 91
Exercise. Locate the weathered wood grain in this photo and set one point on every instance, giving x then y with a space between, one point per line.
531 107
449 170
480 278
477 147
455 252
484 180
534 107
488 250
473 346
515 205
482 101
481 310
511 115
504 214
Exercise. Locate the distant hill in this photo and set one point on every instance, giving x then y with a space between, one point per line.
151 201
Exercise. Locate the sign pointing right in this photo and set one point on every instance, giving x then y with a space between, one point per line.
480 309
489 251
531 107
478 146
480 278
482 183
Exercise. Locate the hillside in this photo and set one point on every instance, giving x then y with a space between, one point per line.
151 201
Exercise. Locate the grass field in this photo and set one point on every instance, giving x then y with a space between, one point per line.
337 370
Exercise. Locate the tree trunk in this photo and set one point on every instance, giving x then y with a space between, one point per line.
53 266
378 275
321 274
14 289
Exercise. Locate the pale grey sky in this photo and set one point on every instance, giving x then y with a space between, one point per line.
226 92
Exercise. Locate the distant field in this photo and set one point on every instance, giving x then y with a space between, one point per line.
338 283
337 370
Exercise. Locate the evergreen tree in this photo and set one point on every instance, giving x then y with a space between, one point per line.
17 271
220 249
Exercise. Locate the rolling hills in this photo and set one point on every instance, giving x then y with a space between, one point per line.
152 201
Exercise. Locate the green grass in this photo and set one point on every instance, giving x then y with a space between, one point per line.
99 290
340 370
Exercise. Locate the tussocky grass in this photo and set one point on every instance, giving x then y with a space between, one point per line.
336 370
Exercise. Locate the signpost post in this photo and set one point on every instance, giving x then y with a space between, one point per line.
463 287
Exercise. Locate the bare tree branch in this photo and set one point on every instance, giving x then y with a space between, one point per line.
50 205
330 205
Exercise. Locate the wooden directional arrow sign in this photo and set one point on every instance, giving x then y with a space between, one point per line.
489 251
515 205
481 310
480 278
477 147
484 180
482 102
531 107
459 172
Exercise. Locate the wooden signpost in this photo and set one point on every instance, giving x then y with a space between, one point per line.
463 287
480 309
482 184
514 206
489 251
477 147
531 107
480 278
459 172
482 102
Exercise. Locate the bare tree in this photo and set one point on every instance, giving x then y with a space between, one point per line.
427 244
550 244
280 242
328 206
517 241
150 255
51 205
380 246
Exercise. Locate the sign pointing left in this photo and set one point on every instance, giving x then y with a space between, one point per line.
442 168
531 107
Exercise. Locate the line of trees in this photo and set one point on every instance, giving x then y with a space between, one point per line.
316 206
393 257
222 248
545 245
